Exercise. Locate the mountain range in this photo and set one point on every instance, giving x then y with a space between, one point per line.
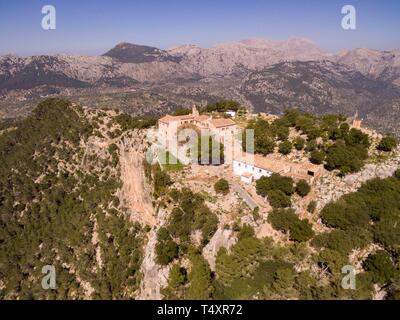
264 75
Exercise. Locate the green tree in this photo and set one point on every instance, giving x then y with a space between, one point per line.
274 182
381 266
166 251
317 157
200 285
287 221
285 147
299 143
303 188
387 144
222 186
312 206
278 199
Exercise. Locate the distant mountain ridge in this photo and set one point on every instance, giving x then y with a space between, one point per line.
132 53
226 70
322 87
150 64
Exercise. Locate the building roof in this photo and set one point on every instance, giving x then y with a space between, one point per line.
286 168
169 118
247 174
201 118
222 122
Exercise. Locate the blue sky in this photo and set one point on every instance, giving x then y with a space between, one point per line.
94 26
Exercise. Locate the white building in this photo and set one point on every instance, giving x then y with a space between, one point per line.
231 113
252 167
248 170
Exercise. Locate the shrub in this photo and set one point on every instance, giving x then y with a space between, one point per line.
311 145
381 266
345 158
222 186
274 182
287 221
264 145
397 174
312 206
387 233
342 241
166 251
317 157
166 248
278 199
299 143
285 147
387 144
342 216
246 231
303 188
161 181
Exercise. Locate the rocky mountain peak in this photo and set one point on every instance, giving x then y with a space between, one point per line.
133 53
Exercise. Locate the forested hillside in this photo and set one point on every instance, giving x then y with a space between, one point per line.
68 194
58 207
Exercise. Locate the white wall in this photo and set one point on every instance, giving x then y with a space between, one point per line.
239 168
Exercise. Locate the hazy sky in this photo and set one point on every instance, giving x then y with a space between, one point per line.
94 26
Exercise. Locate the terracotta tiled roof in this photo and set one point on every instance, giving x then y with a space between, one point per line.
221 122
247 174
286 168
169 118
201 118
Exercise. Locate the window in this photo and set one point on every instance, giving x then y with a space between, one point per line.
310 173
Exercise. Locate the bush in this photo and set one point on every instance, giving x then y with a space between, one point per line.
311 145
166 251
285 147
161 181
397 174
387 233
264 145
274 182
278 199
342 241
287 221
342 216
317 157
222 186
278 189
381 266
312 206
303 188
387 144
344 158
299 143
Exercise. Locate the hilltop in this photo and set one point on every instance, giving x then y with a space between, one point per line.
77 192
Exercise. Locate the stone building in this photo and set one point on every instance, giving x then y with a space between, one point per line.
252 167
